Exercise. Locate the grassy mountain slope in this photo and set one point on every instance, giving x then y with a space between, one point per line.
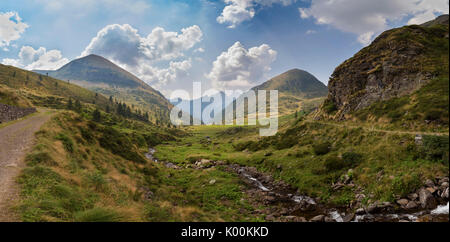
100 75
45 91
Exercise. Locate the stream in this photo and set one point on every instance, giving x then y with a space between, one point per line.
287 202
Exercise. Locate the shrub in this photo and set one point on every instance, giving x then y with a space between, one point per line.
322 148
329 106
436 148
334 163
40 158
433 115
119 144
352 158
67 142
97 180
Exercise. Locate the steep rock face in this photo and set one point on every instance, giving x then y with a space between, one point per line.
397 63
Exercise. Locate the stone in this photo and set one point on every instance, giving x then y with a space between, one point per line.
411 205
426 199
429 183
348 217
372 208
444 185
402 202
328 220
432 189
270 217
360 197
413 196
318 218
212 181
445 193
360 211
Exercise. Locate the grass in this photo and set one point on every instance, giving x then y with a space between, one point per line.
317 155
71 176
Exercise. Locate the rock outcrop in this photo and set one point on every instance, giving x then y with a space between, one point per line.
397 63
9 113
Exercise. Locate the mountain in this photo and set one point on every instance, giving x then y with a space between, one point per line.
295 82
101 75
402 76
297 90
25 88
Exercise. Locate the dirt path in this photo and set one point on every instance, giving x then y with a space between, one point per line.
379 130
15 140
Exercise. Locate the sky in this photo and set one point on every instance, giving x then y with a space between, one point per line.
224 44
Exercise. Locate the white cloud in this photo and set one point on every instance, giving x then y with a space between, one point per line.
238 11
367 18
81 7
199 50
11 28
239 67
126 47
160 77
40 59
310 31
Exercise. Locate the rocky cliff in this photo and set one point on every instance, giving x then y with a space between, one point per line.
397 63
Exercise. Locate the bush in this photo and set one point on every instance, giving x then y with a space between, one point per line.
329 106
67 142
352 158
334 163
322 148
119 144
436 148
97 180
433 115
39 158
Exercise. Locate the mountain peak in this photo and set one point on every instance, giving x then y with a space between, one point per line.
296 82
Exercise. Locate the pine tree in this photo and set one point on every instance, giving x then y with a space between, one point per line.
96 115
78 105
69 104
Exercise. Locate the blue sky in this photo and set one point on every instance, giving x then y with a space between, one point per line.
225 44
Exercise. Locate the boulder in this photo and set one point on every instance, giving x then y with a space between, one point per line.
426 199
360 211
429 183
402 202
413 196
318 218
445 194
411 205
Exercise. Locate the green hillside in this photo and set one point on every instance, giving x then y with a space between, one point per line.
102 76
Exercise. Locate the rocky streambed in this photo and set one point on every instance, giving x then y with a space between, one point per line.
281 202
